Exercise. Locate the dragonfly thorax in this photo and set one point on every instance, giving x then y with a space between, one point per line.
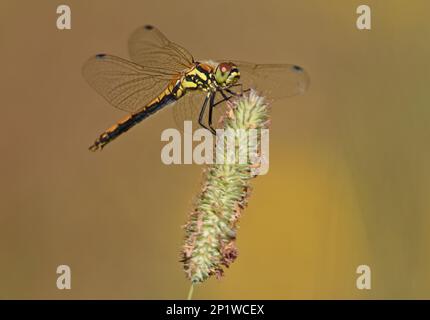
200 77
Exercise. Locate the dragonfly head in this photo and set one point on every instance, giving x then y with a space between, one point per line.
226 74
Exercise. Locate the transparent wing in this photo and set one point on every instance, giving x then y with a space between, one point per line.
149 47
124 84
188 108
276 81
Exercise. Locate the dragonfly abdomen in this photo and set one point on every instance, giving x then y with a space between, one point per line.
130 121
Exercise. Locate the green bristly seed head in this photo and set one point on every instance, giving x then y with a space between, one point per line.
212 225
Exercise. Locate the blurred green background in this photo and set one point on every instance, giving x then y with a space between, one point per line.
349 164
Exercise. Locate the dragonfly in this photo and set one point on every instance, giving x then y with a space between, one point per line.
163 73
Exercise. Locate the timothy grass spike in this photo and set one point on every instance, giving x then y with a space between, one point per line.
210 241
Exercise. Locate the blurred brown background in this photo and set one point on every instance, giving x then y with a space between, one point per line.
349 171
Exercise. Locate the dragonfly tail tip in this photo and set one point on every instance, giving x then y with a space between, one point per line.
94 148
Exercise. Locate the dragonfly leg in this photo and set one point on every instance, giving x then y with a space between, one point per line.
225 98
211 107
202 112
235 93
213 104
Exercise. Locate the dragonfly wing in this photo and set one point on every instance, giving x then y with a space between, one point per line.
188 108
274 80
124 84
149 47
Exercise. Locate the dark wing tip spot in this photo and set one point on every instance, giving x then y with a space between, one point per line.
297 68
100 55
148 27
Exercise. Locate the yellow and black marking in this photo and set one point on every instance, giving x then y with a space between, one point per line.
199 78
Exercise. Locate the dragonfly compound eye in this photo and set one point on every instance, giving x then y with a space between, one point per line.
226 73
